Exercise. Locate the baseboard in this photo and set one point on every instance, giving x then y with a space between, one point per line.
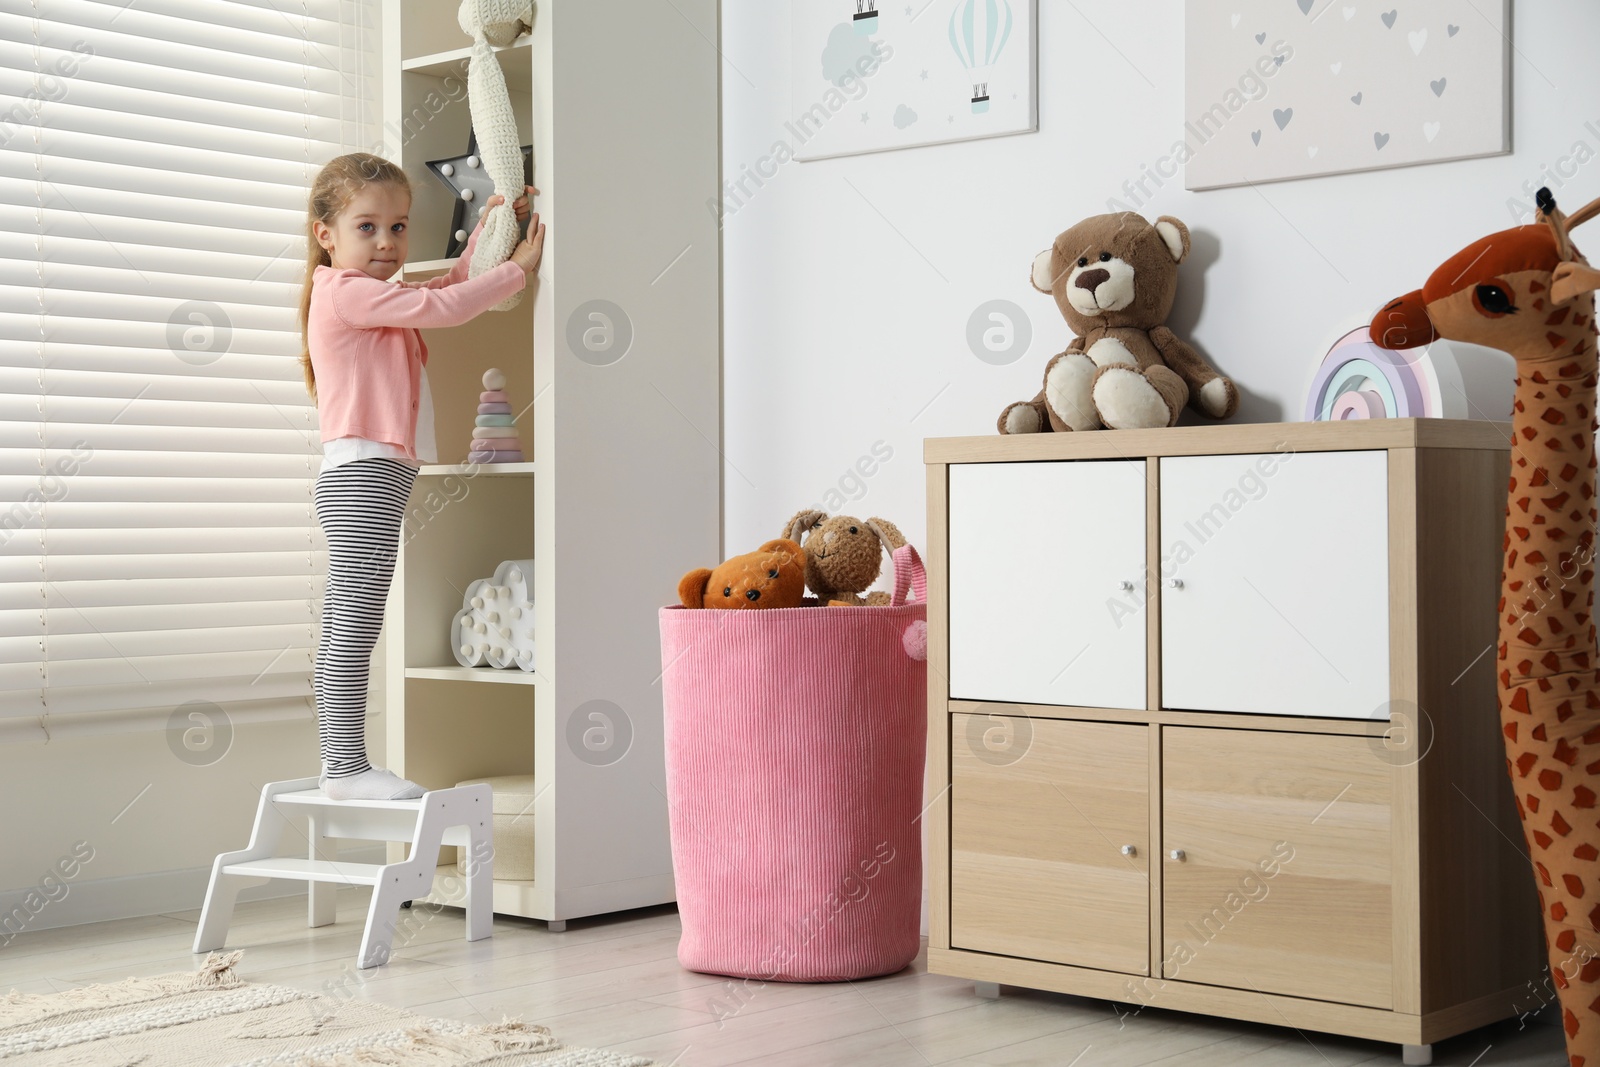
157 893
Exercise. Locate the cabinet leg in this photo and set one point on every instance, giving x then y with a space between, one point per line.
1421 1055
557 925
987 990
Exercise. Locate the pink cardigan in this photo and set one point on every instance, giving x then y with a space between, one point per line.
366 349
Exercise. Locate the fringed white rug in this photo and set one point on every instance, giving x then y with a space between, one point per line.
213 1017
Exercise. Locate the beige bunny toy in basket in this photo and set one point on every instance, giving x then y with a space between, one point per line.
843 555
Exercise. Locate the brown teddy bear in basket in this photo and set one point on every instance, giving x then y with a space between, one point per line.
843 555
773 576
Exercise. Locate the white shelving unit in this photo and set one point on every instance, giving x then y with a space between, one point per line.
622 492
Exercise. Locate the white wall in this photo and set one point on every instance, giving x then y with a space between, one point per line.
152 822
849 281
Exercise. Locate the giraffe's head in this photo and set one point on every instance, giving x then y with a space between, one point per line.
1507 290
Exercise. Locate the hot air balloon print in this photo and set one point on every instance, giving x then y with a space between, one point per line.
978 33
866 17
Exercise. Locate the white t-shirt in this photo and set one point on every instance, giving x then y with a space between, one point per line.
349 449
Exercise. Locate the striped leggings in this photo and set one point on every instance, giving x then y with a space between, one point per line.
360 506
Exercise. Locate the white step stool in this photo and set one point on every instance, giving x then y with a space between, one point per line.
461 816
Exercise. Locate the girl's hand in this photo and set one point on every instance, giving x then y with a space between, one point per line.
519 205
530 251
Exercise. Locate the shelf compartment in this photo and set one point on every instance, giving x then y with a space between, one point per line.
516 60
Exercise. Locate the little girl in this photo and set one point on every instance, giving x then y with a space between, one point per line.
363 363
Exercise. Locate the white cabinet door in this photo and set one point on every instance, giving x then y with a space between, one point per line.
1282 601
1038 555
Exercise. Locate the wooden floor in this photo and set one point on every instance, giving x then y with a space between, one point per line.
615 982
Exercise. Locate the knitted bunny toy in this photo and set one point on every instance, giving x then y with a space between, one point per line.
843 555
495 22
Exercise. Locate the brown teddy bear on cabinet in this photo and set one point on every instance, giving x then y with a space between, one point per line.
773 576
1114 278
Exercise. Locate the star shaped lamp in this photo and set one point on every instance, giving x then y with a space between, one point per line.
471 187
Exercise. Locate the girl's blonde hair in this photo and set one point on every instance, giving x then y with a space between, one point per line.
339 181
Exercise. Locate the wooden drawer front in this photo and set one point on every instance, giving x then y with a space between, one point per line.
1038 555
1284 602
1036 867
1285 884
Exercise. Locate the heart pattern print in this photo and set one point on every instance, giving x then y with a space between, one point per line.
1275 90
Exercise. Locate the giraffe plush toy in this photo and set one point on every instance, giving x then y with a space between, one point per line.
1528 291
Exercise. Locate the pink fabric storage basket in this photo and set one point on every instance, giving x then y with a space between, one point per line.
794 744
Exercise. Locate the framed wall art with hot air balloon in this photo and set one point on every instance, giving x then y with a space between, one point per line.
871 75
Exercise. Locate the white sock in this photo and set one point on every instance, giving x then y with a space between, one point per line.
375 784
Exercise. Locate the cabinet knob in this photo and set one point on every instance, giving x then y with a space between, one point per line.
1124 584
1174 583
1177 854
1129 850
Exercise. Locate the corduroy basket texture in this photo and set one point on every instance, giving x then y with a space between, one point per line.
794 745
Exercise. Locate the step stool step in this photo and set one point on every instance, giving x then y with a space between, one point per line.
365 820
308 870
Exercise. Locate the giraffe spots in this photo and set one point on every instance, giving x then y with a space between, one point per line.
1586 852
1553 416
1555 339
1556 502
1536 286
1538 376
1525 763
1529 433
1589 972
1510 730
1533 804
1566 391
1566 753
1558 911
1539 477
1520 531
1549 780
1558 316
1523 503
1535 557
1550 661
1560 825
1569 1021
1567 938
1538 732
1542 839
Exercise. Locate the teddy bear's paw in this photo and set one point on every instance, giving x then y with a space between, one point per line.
1069 390
1126 400
1218 398
1021 418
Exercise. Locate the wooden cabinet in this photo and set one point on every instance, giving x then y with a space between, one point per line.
1278 876
1049 847
1289 722
1275 583
1062 547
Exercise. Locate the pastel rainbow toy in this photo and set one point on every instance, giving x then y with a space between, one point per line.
494 431
1445 380
495 623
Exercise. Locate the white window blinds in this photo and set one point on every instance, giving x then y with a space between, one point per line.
157 449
